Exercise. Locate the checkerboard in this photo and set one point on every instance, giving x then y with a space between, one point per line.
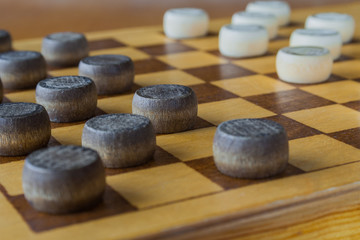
180 193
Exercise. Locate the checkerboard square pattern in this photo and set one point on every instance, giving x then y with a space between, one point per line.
288 101
133 53
259 65
205 44
210 93
218 72
321 121
190 59
168 48
142 38
167 77
340 92
313 158
252 85
188 145
177 181
220 111
206 167
328 119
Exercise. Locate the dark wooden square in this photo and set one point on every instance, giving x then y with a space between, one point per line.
210 93
3 159
219 72
349 136
104 44
288 101
161 157
206 167
113 203
343 58
354 105
293 128
150 65
332 78
168 48
218 54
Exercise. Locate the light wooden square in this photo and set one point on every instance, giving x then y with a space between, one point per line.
188 145
167 77
205 44
143 38
23 96
132 53
191 59
116 104
340 92
261 65
347 69
351 50
252 85
160 185
28 44
74 71
10 177
320 151
220 111
70 135
328 119
12 225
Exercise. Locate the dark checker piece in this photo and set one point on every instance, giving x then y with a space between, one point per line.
250 148
24 128
171 108
122 140
63 179
112 74
64 48
22 69
67 98
5 41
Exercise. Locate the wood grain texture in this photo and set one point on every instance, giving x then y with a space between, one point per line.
192 198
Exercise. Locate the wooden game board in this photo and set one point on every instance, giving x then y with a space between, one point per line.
180 193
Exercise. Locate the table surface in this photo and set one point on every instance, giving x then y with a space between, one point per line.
36 18
102 15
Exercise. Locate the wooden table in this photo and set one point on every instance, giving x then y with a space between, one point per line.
37 18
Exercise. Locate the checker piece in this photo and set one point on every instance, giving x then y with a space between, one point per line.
63 179
250 148
24 128
122 140
22 69
5 41
170 107
67 98
64 48
111 73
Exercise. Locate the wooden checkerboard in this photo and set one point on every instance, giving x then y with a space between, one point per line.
180 193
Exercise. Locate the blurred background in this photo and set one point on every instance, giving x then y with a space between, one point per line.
36 18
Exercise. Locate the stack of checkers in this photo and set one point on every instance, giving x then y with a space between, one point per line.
210 104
